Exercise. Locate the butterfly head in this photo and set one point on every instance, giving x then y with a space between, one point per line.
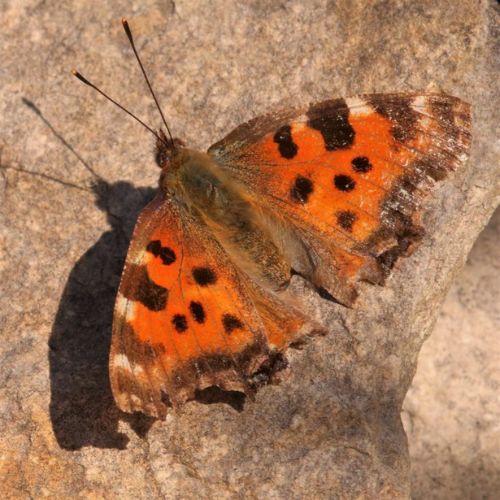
167 150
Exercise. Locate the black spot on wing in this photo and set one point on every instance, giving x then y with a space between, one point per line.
140 287
154 247
231 322
197 311
301 189
344 182
180 323
346 219
331 119
361 164
204 276
166 254
283 137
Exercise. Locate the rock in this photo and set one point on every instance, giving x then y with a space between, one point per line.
451 412
332 428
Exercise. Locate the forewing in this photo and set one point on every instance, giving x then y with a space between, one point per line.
349 177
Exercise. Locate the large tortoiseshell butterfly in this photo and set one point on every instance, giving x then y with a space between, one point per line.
330 192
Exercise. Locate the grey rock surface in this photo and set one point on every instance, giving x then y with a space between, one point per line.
332 429
452 410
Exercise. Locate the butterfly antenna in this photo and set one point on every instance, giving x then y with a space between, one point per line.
90 84
126 27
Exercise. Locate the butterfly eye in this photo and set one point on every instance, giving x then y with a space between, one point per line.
162 157
164 151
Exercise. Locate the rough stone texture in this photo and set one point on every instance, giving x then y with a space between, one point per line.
332 428
452 411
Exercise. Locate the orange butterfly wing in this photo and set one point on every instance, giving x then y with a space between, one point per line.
339 184
185 319
349 177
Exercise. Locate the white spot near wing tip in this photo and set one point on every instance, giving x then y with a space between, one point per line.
121 361
298 125
358 106
139 258
125 308
121 305
419 102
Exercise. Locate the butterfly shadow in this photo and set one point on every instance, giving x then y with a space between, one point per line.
82 409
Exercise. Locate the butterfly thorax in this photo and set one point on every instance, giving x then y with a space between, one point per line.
199 185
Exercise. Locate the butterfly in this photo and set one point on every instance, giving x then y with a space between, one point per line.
331 192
